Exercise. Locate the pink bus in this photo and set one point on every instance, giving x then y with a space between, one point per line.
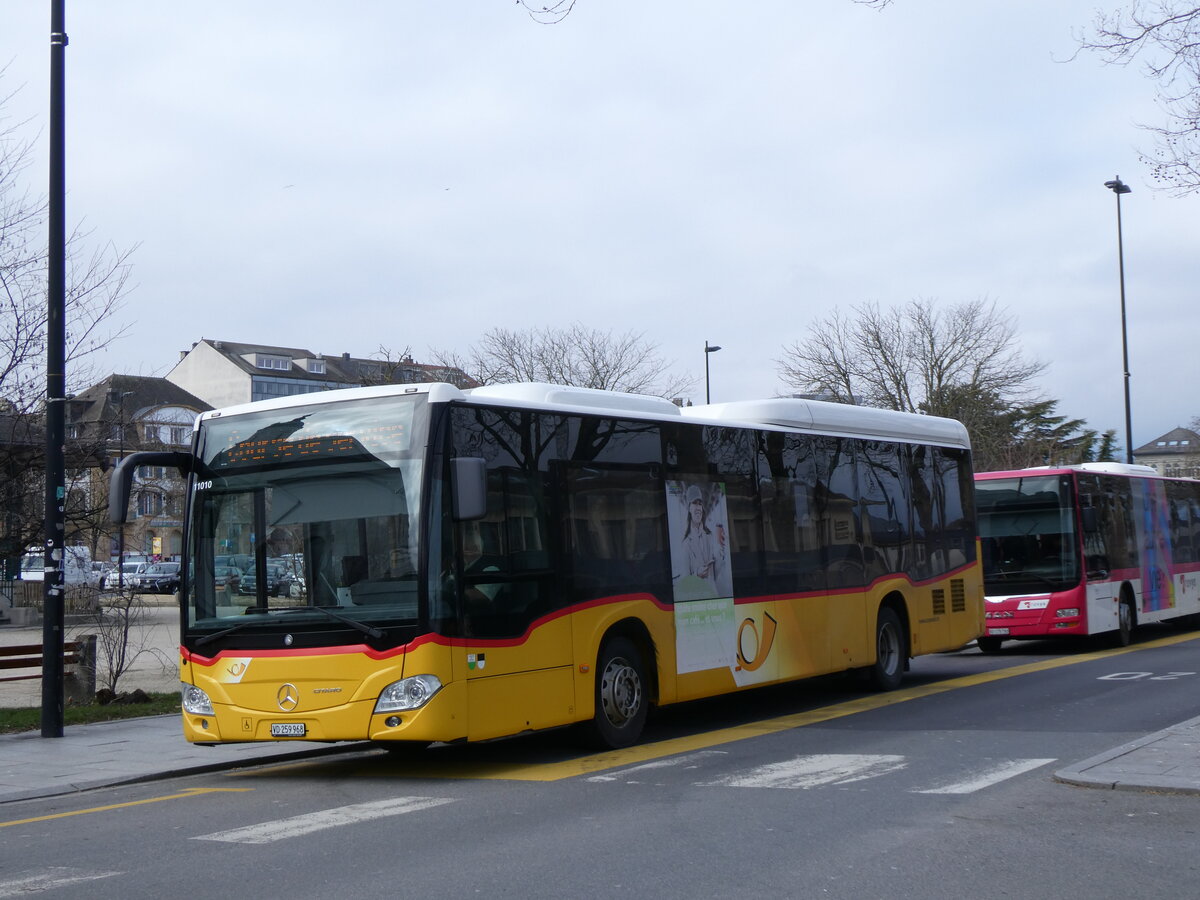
1097 548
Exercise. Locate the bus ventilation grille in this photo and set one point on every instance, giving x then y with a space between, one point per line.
958 595
939 602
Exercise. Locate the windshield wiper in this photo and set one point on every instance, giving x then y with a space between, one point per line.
370 631
373 633
208 638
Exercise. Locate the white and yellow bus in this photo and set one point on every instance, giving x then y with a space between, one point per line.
474 564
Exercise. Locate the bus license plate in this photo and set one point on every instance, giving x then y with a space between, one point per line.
287 729
990 631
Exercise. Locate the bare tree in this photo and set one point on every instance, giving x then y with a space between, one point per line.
548 13
907 358
578 355
1164 35
96 283
959 361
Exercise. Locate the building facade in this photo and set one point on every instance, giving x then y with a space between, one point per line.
1175 454
226 373
108 421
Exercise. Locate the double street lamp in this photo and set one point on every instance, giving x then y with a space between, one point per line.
1118 187
707 350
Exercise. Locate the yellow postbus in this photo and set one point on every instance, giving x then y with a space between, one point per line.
420 563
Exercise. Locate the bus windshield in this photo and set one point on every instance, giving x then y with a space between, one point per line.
306 519
1027 529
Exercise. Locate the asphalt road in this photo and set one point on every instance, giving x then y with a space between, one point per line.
942 789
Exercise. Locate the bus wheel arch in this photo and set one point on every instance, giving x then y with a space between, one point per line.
624 686
891 644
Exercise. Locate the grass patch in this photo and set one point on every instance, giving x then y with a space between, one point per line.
30 718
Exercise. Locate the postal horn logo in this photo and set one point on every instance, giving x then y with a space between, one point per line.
288 698
476 662
752 648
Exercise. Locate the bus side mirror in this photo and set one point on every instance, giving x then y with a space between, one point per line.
468 487
121 478
1087 517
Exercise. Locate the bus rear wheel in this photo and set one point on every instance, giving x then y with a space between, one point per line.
621 700
891 650
989 644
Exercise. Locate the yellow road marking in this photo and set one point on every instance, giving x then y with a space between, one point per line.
191 792
587 765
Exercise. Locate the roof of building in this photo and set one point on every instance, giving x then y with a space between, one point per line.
1180 441
128 397
341 368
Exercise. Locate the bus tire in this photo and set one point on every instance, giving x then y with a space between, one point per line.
621 697
891 651
1126 621
989 644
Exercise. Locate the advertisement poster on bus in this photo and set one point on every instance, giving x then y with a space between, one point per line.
701 578
1158 583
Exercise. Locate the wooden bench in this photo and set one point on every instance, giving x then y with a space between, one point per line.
23 657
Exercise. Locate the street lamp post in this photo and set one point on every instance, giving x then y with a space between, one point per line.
707 390
1118 187
120 398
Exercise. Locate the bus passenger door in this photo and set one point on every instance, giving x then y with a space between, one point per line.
517 660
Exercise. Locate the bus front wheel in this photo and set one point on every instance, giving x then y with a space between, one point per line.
891 650
1126 622
621 701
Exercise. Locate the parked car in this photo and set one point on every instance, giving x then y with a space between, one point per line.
277 582
227 577
159 578
125 576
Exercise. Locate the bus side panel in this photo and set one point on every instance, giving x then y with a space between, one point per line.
519 685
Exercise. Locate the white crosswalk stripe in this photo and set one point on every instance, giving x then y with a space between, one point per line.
49 880
806 772
994 774
686 761
267 832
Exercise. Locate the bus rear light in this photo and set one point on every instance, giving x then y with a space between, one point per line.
1066 613
408 693
195 701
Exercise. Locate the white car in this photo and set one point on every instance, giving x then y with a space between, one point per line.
127 576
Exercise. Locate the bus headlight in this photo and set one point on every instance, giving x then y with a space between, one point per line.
408 693
195 701
1067 613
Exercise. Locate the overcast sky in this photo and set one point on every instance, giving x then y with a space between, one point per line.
344 176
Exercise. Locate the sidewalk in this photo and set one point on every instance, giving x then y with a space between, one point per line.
125 751
1167 761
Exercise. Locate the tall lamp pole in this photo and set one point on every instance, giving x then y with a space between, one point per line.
707 390
1118 187
120 398
56 399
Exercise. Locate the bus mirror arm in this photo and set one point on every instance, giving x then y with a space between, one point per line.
121 479
468 487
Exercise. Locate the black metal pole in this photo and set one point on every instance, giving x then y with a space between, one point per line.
707 391
52 596
1124 336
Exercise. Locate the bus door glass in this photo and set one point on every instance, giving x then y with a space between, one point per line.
514 652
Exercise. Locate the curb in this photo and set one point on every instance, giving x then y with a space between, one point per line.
1167 761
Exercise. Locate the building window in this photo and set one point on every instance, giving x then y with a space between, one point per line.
180 434
280 363
266 388
316 366
149 504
